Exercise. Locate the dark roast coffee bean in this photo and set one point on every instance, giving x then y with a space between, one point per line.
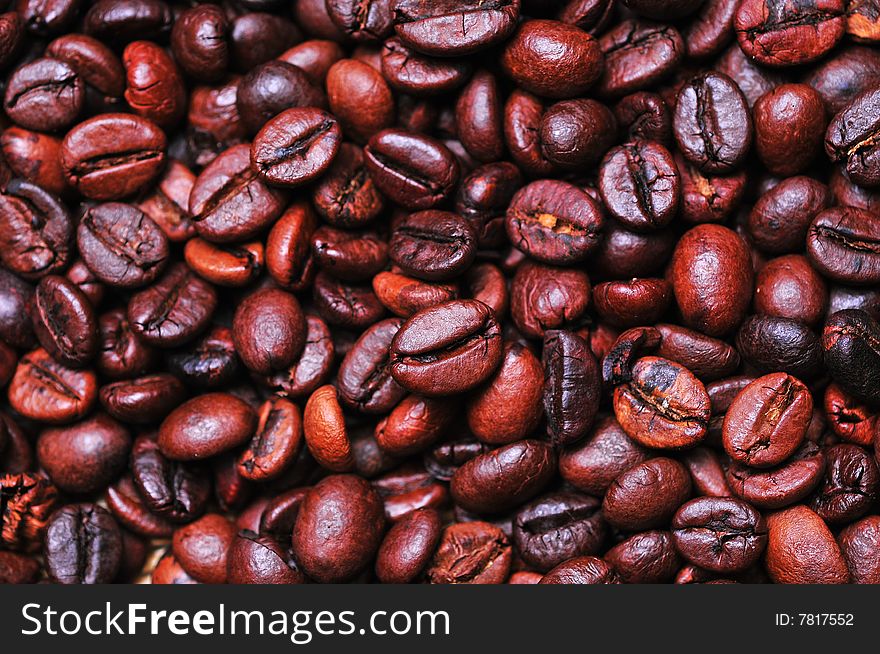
433 245
572 386
646 495
844 244
850 341
64 321
850 485
83 545
408 546
143 399
45 94
454 28
770 343
488 555
175 491
637 55
782 486
205 426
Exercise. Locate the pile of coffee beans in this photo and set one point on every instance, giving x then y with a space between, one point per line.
444 291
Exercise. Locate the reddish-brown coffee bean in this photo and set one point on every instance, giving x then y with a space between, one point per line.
664 406
576 133
121 245
789 287
259 36
168 203
360 99
346 196
408 71
364 379
723 535
554 222
325 431
596 462
205 426
338 529
522 124
478 117
708 198
414 425
503 478
296 146
271 88
707 358
843 244
154 88
43 389
508 407
638 55
433 245
269 330
345 305
789 124
131 512
780 219
85 457
631 303
404 296
201 547
767 421
144 399
254 559
848 418
801 549
712 279
707 475
112 156
227 190
646 495
572 386
788 34
782 486
199 41
462 27
552 59
233 265
415 171
35 157
45 94
471 553
83 545
545 297
18 569
648 557
850 486
447 349
858 543
770 343
29 501
276 442
64 322
315 57
408 547
644 116
36 231
174 310
581 570
485 282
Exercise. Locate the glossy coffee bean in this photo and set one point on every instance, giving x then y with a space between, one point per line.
708 198
557 527
43 389
205 426
411 72
338 529
638 54
787 34
433 245
783 485
408 546
789 287
545 297
554 222
646 495
789 122
447 349
346 196
64 322
724 535
581 570
780 219
713 99
271 88
842 245
540 50
255 559
572 386
415 171
664 406
112 156
143 399
708 358
488 555
851 355
154 88
850 485
857 543
45 94
767 421
648 557
269 330
202 547
848 418
710 263
199 41
175 491
503 478
83 545
576 133
794 532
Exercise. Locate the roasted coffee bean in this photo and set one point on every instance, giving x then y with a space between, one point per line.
254 559
636 302
777 33
789 122
648 557
128 507
113 156
770 343
552 59
205 426
175 491
408 546
454 28
346 196
572 386
83 545
338 529
852 355
345 305
269 330
554 222
144 399
782 486
417 172
712 123
544 297
640 185
433 245
721 534
154 88
576 133
199 41
646 495
557 527
848 418
638 55
16 295
801 549
582 570
708 358
712 279
227 190
850 486
844 245
271 88
36 231
858 542
121 245
503 478
45 94
447 349
410 72
45 390
64 322
471 553
664 406
174 310
789 287
767 421
28 502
